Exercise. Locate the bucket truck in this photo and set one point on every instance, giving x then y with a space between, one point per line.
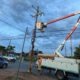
41 25
62 66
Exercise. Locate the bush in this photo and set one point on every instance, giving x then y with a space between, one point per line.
77 53
27 59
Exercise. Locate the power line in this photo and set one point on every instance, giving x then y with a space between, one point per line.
10 25
39 36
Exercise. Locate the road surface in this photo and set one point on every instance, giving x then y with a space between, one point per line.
25 66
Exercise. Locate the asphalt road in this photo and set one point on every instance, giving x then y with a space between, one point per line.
14 66
25 66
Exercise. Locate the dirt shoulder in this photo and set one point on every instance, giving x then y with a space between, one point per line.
11 75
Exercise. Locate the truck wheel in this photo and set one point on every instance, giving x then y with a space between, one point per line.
60 75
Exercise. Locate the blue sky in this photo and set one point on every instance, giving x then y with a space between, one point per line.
15 16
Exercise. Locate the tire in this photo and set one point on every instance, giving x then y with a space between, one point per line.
13 60
5 66
60 75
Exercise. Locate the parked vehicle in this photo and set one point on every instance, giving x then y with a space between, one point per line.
10 58
3 63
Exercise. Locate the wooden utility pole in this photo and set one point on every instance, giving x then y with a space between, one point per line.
65 51
79 45
71 46
21 54
37 14
9 46
9 42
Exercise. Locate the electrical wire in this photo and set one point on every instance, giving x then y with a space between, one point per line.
10 25
39 36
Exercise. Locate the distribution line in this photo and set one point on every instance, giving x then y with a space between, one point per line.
10 25
39 36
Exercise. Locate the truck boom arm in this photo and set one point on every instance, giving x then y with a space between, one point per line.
67 37
64 17
42 25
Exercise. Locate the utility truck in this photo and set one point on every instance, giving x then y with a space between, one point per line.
62 66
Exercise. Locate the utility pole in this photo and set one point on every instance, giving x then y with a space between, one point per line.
65 51
37 14
9 46
71 46
9 42
79 45
21 54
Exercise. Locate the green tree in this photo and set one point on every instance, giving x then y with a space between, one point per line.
3 49
77 52
10 48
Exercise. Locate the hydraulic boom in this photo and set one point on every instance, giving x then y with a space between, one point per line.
42 25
